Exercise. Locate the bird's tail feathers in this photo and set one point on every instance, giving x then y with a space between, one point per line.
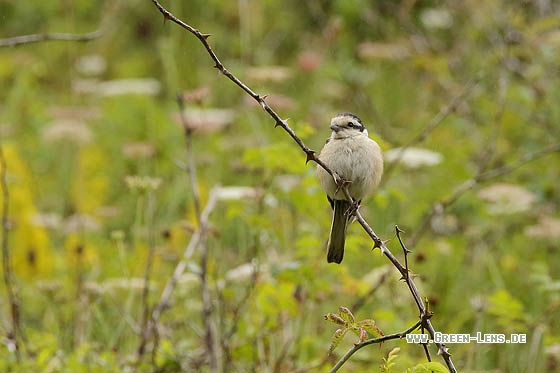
338 231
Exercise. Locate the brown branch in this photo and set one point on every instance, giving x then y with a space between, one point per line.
36 38
13 298
425 314
203 38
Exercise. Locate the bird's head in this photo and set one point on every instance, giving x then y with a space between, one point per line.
347 125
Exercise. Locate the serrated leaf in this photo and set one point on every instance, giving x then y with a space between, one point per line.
336 338
431 366
369 326
346 315
335 319
390 361
394 353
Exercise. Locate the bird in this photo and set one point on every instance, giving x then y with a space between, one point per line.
357 159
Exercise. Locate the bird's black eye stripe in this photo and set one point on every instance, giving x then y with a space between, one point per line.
357 126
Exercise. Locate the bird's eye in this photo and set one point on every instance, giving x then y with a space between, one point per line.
351 125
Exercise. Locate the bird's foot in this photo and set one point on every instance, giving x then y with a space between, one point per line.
354 206
340 182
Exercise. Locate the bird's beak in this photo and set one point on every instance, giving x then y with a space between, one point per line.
335 127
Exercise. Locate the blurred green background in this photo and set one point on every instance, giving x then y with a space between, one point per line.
96 160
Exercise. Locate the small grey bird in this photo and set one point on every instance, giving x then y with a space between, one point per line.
356 158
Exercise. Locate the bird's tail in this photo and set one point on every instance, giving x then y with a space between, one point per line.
338 231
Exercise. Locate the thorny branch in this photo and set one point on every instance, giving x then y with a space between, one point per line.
425 314
36 38
442 350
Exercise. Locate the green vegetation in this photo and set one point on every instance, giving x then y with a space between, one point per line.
102 208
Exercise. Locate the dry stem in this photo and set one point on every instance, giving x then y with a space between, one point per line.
36 38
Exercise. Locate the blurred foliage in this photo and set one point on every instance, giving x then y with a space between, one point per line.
77 118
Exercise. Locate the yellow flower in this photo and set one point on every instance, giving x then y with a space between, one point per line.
28 242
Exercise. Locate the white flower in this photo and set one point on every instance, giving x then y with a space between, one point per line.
413 157
546 227
67 130
506 198
92 65
206 120
140 86
436 18
238 193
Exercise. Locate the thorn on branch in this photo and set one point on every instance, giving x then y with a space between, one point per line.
205 36
282 123
261 100
378 244
310 156
443 351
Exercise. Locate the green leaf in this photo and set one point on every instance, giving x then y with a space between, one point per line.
335 318
507 310
346 315
336 338
369 326
274 158
390 361
429 367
